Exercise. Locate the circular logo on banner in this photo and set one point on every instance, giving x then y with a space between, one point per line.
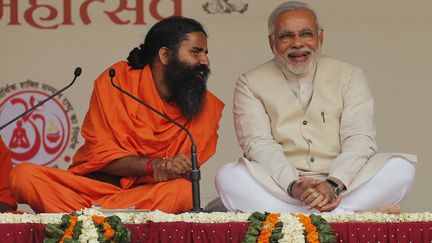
44 135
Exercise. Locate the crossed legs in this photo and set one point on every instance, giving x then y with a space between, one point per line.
239 191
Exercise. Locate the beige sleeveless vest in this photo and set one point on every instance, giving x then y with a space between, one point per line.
307 137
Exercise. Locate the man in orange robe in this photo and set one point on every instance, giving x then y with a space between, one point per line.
7 203
133 157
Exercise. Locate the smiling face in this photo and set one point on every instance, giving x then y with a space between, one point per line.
296 40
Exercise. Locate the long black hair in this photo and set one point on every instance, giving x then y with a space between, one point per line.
169 33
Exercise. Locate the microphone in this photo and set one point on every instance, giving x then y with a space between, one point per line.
195 174
77 73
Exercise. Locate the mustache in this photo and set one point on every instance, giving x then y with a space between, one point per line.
187 86
302 49
202 70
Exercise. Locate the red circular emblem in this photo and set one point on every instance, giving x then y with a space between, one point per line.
40 136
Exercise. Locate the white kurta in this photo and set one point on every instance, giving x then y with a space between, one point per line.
270 154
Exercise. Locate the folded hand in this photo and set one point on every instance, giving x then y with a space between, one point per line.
315 193
170 168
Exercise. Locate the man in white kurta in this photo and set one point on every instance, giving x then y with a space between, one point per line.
305 124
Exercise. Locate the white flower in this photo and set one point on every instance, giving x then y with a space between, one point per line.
216 217
89 231
9 218
292 229
378 217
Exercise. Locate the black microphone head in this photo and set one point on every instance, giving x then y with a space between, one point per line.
112 72
77 71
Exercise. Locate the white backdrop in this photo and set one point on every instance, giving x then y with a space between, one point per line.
390 40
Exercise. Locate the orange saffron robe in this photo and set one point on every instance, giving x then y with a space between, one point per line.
116 126
5 168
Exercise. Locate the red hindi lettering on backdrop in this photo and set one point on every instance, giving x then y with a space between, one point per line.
48 16
139 8
29 15
13 6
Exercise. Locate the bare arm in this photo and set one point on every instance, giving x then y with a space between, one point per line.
163 168
127 166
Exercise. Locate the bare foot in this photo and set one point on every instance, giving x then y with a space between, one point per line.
389 209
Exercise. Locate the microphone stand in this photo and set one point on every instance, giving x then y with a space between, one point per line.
195 174
77 73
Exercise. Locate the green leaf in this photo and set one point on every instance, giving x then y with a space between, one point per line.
323 238
67 240
49 240
276 236
54 231
255 228
257 216
325 232
249 239
65 220
77 230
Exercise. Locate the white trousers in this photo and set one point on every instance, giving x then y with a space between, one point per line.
240 192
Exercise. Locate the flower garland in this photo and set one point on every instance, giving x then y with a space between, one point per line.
70 230
67 231
84 227
216 217
103 227
310 229
324 230
90 233
289 227
268 230
292 229
264 227
106 226
317 230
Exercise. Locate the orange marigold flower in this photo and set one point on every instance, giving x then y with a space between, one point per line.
310 227
98 219
312 237
109 233
69 231
264 235
312 234
268 227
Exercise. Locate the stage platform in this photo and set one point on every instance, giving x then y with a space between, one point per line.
406 232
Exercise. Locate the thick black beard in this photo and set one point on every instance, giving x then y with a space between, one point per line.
186 85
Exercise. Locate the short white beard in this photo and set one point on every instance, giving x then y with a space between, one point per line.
295 67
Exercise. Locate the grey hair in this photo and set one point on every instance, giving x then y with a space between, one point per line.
289 6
